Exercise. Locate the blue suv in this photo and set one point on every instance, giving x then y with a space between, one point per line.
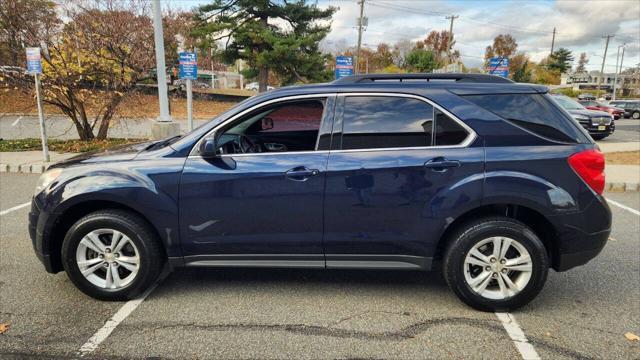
488 180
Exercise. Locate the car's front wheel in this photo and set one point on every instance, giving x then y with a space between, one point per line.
112 255
495 264
636 115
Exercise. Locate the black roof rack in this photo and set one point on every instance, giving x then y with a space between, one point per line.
458 77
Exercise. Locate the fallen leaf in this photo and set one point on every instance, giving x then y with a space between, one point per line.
4 327
629 336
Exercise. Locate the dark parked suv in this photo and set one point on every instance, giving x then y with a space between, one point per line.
488 180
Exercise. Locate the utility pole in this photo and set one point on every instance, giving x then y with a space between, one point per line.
553 40
450 39
615 77
360 25
620 71
604 59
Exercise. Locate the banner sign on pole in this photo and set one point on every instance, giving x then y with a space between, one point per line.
344 66
34 66
498 66
188 66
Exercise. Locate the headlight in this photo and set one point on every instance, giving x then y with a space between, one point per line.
581 118
46 179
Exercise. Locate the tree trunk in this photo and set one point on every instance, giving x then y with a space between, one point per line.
263 70
263 78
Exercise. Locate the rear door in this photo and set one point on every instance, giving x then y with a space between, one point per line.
396 170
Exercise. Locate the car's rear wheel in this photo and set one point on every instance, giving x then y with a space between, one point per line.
112 255
495 264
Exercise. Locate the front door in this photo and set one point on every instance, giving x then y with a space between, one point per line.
260 201
391 179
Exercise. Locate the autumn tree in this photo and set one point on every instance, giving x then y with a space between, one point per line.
439 44
582 63
504 45
283 37
520 68
93 61
382 57
561 60
23 22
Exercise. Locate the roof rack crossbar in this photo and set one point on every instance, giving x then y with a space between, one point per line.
458 77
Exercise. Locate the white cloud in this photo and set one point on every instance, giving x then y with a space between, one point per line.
579 25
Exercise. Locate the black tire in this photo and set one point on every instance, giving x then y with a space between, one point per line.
599 137
470 234
150 251
636 115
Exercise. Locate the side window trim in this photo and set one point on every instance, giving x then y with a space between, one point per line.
339 121
213 131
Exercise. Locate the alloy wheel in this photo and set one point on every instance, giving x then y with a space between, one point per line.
498 268
108 259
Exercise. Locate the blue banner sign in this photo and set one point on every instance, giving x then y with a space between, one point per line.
344 66
188 68
498 66
34 65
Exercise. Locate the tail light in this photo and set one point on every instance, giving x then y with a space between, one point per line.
589 165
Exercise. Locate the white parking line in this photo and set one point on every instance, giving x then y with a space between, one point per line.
117 318
17 207
625 207
517 335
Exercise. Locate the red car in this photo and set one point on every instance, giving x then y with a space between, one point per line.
595 105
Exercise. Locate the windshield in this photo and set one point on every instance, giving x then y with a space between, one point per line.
567 103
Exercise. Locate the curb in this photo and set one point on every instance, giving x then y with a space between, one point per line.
24 169
40 168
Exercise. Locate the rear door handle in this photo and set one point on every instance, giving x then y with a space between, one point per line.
301 173
441 164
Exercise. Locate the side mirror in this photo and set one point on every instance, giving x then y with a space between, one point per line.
208 147
267 123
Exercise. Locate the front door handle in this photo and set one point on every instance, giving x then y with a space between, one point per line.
301 173
441 164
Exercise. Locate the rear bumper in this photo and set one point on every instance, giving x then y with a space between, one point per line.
593 245
581 236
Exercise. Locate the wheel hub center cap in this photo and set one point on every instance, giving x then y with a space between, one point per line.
108 257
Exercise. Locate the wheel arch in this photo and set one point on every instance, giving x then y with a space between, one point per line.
59 225
527 215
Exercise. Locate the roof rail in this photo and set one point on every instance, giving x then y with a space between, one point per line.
457 77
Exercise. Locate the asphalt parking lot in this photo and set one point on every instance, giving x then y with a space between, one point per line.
214 313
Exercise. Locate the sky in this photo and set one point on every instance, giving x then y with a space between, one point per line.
580 25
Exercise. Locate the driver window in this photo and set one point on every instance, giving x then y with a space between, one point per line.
285 127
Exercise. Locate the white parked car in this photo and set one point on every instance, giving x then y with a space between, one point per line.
254 86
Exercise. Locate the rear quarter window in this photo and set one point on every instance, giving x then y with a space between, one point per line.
534 112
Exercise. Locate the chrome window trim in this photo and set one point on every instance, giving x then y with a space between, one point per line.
257 106
471 134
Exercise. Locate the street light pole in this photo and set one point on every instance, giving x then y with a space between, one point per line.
160 65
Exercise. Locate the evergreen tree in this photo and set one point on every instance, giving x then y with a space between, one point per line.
279 36
561 60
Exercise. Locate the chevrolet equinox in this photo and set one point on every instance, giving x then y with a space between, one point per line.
486 179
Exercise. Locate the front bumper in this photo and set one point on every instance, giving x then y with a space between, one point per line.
36 221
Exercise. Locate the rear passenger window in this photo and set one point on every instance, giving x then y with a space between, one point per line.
531 111
448 131
371 122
